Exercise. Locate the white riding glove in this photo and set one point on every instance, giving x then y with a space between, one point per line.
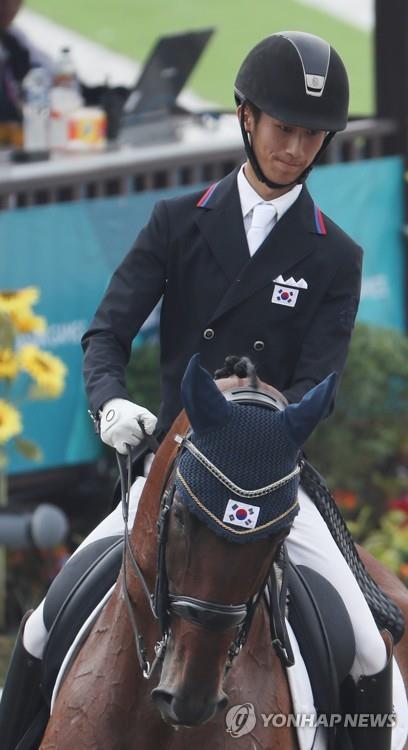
120 423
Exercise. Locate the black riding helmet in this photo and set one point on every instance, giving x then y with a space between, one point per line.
297 78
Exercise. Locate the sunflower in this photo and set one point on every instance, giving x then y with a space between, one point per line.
8 363
10 422
26 322
12 300
47 371
53 389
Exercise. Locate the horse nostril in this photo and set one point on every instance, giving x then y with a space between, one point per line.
186 711
164 702
162 697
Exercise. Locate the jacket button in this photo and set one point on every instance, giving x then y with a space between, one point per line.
259 346
209 334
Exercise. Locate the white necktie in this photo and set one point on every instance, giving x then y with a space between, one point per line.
263 219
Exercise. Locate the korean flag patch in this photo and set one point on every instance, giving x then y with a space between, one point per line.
241 514
284 295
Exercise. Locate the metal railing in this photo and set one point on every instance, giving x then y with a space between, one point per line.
364 139
201 150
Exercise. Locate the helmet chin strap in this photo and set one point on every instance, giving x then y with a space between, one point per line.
257 169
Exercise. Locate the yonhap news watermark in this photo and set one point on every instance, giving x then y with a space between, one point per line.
242 719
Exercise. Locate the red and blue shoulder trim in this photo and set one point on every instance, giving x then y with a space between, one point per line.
207 195
319 221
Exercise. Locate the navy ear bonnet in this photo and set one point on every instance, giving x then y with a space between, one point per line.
252 450
238 471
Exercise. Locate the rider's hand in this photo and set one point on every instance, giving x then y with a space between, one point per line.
119 423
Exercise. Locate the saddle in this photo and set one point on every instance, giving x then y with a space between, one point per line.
315 611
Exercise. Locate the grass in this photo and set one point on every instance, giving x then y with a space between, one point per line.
132 26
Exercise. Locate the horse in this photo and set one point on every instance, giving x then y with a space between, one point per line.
210 654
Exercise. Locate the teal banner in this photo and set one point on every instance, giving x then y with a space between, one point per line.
366 199
70 250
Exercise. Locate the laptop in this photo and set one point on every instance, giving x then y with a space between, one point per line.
164 75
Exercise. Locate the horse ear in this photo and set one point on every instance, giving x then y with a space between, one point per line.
301 419
203 401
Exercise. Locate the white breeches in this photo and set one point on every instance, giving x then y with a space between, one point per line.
309 543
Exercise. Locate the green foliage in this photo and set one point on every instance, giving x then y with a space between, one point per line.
388 541
357 448
142 377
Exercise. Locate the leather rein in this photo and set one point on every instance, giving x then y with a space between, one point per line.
210 615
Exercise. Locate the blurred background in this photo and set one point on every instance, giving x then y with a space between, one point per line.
106 108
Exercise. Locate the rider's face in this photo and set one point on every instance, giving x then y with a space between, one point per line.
283 151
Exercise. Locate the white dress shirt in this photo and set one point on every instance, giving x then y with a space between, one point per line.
249 198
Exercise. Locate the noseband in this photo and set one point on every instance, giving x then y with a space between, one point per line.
216 617
164 604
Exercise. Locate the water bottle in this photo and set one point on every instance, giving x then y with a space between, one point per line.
36 110
65 75
65 98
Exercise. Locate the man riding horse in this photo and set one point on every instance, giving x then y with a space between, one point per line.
251 267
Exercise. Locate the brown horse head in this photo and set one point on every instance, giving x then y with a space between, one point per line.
206 567
242 455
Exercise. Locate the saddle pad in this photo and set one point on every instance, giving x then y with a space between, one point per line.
309 737
76 645
64 614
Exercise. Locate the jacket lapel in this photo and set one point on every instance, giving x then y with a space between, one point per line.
290 241
221 223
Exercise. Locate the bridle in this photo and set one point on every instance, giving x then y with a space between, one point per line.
206 614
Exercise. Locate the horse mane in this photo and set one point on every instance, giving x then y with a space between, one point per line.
242 367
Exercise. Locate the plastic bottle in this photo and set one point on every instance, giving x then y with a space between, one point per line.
36 110
65 98
65 75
